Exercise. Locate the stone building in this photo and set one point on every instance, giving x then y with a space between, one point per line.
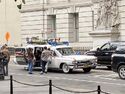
9 22
76 21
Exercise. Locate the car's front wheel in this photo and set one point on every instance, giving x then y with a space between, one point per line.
86 70
65 68
121 71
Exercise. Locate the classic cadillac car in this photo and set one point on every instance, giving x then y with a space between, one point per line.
65 58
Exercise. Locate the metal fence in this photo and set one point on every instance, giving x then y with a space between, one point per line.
51 86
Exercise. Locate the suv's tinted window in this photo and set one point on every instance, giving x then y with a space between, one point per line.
120 50
113 47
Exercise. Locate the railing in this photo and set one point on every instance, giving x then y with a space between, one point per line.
51 86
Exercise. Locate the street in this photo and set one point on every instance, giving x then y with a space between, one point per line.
75 81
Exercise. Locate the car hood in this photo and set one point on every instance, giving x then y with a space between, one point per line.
81 57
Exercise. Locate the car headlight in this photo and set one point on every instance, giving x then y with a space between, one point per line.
94 60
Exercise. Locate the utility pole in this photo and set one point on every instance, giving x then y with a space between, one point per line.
5 19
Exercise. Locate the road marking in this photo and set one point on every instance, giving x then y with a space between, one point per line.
108 77
63 78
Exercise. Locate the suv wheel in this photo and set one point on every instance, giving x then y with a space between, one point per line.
86 70
65 68
121 71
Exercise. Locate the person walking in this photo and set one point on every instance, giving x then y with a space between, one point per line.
30 58
6 58
44 59
49 60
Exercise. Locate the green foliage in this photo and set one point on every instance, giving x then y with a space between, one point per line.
19 6
23 1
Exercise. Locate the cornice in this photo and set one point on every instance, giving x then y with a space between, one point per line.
103 33
39 7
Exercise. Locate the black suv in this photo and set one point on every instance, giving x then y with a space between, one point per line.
118 61
105 52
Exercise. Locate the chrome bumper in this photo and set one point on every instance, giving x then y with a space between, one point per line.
83 65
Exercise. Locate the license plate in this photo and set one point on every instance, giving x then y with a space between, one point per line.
85 65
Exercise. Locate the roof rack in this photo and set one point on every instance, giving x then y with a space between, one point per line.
54 43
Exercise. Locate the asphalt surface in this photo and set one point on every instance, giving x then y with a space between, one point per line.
72 83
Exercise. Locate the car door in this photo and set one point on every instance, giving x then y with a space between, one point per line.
55 62
104 53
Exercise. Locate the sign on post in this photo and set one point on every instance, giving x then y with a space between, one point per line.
7 36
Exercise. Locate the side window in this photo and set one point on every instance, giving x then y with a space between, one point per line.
113 47
106 47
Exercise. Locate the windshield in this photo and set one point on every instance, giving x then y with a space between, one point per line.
66 51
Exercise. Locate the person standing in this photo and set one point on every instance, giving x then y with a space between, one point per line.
49 60
6 58
30 58
44 59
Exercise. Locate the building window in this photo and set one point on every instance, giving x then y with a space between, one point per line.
74 27
51 26
76 20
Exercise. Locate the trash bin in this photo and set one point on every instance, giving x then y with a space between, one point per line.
1 68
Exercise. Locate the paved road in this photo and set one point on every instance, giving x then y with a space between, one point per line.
76 81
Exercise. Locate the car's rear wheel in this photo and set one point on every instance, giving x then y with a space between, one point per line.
65 68
86 70
121 71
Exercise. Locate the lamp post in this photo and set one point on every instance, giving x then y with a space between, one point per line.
5 23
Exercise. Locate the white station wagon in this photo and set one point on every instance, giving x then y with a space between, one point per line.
65 58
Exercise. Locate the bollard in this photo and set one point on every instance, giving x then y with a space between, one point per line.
50 86
99 89
11 84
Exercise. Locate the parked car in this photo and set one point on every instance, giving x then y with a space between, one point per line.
118 61
104 52
65 58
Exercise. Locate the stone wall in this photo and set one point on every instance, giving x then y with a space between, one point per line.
122 20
